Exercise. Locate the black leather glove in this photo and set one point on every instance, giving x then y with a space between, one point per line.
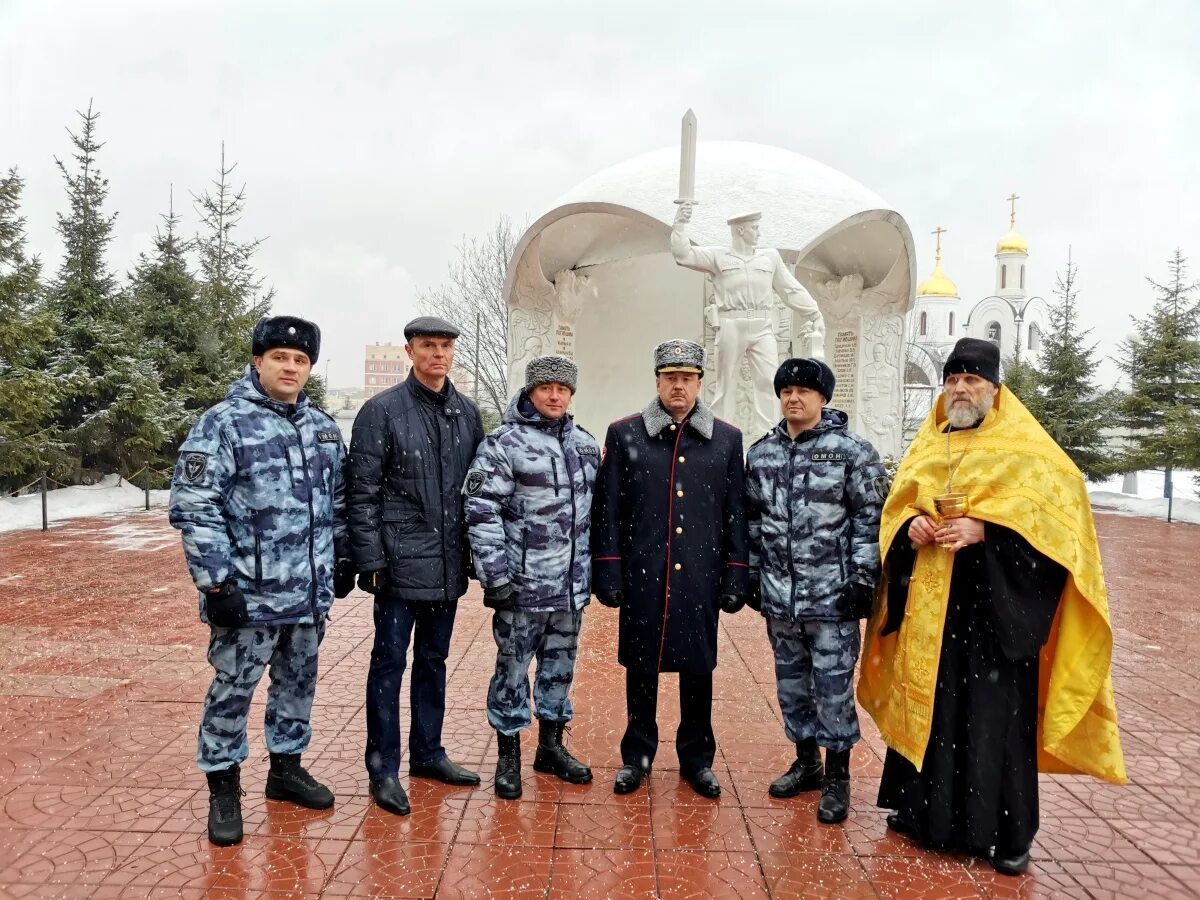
754 598
374 582
343 577
856 600
611 599
731 603
500 596
225 606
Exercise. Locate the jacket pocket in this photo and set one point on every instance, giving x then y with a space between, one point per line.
554 469
524 548
258 565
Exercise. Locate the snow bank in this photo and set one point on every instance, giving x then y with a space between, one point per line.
111 495
1149 501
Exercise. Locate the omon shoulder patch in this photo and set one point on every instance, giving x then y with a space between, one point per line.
474 484
194 466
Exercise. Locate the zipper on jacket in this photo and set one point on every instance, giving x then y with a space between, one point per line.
312 551
790 562
257 559
571 491
554 466
524 547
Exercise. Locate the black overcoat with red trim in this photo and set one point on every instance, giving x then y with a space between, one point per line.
669 530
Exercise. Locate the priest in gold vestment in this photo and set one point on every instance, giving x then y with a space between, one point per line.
987 657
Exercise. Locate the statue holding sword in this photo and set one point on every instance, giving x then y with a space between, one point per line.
745 281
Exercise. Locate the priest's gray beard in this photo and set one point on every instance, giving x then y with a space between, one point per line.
967 413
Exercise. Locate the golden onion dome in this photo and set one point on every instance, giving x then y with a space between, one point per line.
1012 243
937 284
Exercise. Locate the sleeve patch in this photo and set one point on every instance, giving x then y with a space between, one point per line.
881 485
327 437
194 466
474 483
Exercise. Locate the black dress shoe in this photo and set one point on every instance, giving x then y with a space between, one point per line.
1007 862
704 783
899 824
444 771
629 779
389 794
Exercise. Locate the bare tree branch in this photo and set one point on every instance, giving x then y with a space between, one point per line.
474 293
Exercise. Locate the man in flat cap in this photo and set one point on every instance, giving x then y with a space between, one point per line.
989 659
257 496
745 283
814 490
669 549
409 454
528 503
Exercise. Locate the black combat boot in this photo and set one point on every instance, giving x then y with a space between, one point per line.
508 766
225 806
835 793
553 757
288 780
806 773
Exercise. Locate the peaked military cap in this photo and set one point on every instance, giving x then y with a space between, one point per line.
678 356
742 220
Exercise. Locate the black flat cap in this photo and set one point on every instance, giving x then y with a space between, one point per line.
429 326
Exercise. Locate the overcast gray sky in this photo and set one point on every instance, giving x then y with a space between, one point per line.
373 136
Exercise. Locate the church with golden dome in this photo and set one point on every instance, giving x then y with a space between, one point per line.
1009 316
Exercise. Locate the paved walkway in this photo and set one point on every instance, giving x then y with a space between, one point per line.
102 673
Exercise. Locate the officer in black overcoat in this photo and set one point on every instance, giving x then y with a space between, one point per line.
669 549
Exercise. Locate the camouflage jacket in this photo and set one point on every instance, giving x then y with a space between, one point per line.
813 506
528 506
257 494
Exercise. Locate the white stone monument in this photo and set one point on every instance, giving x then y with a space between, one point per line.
596 274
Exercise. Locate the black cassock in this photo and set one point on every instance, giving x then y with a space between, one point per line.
978 787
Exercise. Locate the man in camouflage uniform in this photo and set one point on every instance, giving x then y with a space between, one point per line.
257 494
814 493
528 507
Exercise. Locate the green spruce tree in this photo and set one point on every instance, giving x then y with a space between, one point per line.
112 411
1162 360
177 328
1022 377
1071 408
28 394
229 283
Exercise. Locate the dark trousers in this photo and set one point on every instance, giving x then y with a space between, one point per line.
694 741
395 621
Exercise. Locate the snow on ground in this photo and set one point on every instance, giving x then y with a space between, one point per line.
1148 501
111 495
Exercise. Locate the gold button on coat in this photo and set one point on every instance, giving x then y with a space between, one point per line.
681 459
679 493
678 566
678 530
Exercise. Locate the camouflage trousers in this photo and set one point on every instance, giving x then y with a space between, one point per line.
814 674
239 657
554 639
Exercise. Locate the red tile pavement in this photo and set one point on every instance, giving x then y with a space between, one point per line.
102 674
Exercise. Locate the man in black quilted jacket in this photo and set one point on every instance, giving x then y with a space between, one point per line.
409 454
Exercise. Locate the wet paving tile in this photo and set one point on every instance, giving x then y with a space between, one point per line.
483 871
100 796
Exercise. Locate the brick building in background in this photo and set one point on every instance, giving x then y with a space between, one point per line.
385 365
